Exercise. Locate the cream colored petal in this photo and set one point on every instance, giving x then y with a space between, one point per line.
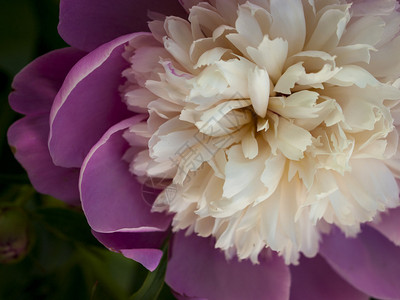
179 30
288 23
272 174
207 18
296 74
138 99
247 25
218 39
353 54
218 163
250 144
361 106
366 30
179 54
352 74
210 82
382 63
305 168
271 55
215 115
290 139
235 71
375 180
329 30
287 81
298 105
392 23
238 172
165 109
211 56
259 90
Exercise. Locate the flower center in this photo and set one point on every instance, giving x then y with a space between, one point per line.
270 122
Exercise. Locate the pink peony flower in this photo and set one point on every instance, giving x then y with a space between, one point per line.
262 134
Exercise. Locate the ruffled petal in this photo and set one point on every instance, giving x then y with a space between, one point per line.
369 262
141 247
28 138
314 279
86 24
88 103
36 86
111 197
196 269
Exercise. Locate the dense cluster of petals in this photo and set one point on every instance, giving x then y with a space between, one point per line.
271 122
265 128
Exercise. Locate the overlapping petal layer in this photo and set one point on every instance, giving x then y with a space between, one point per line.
264 116
72 110
268 121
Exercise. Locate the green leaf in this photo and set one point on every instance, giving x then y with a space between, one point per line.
67 224
154 282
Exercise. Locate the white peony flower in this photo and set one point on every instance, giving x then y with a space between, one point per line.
272 120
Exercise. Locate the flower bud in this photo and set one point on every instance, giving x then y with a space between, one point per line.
14 235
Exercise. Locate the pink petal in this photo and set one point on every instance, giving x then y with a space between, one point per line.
28 137
36 85
111 196
314 279
196 269
86 24
88 103
369 262
149 258
141 247
389 225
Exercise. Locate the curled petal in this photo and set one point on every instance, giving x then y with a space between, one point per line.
111 196
88 102
28 138
141 247
38 83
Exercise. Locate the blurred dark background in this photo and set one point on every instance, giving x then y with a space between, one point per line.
46 248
